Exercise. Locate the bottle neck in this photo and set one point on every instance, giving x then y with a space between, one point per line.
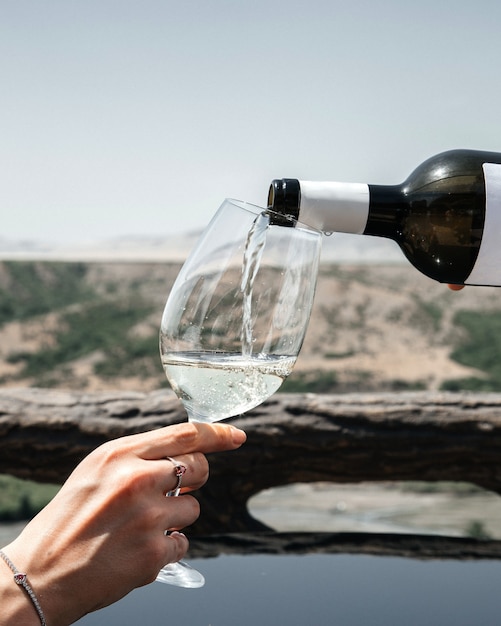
333 206
355 208
283 201
388 205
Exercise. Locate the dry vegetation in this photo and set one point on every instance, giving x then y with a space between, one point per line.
95 326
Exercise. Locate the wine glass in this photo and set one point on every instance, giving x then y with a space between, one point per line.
236 317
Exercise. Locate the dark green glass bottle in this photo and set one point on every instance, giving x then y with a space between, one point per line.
446 217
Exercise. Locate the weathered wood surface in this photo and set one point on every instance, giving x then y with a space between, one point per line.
291 438
422 547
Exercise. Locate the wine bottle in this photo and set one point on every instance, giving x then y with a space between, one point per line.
446 217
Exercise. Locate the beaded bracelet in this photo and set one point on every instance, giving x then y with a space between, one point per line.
22 580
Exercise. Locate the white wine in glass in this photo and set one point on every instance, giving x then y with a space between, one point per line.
236 317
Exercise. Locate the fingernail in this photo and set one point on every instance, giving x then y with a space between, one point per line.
177 533
238 436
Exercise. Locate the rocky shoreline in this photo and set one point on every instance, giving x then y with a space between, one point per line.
380 508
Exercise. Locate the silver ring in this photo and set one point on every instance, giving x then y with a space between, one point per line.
179 471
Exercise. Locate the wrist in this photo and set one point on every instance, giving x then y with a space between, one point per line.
17 607
49 578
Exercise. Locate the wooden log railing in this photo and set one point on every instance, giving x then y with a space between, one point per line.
291 438
412 546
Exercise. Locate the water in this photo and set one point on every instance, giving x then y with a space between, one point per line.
322 590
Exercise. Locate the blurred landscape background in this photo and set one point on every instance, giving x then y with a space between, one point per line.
377 325
120 120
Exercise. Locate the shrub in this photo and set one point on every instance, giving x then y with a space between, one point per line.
310 382
481 350
102 325
22 499
37 288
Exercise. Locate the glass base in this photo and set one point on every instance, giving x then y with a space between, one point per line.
181 575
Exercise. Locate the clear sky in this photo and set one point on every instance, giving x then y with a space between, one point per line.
123 117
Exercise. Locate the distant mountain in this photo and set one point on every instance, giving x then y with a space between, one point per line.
126 248
337 248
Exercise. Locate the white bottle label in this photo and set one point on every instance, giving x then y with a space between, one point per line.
487 268
334 207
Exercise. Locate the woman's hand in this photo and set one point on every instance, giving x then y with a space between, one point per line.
104 532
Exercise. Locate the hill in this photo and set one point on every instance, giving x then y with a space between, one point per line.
94 325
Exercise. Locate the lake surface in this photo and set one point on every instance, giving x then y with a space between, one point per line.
319 590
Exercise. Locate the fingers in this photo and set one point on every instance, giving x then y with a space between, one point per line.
187 438
177 547
178 513
173 550
193 472
455 287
